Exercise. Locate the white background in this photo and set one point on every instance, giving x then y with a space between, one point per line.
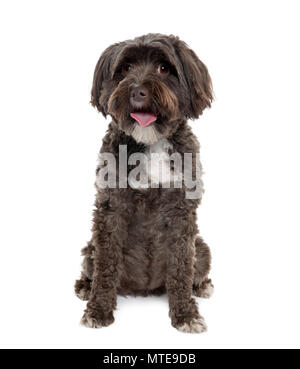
50 137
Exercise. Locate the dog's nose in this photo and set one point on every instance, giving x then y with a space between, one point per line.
139 94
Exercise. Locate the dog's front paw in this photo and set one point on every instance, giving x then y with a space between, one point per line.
187 319
83 289
97 319
195 325
205 290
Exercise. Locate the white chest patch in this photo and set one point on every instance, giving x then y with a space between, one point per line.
159 161
155 167
147 135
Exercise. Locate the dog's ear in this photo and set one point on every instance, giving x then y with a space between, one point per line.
103 77
197 78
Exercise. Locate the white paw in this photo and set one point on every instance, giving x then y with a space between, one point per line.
207 291
195 326
82 294
90 322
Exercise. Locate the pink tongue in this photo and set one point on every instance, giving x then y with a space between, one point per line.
144 119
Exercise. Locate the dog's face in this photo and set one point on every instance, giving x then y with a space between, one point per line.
150 85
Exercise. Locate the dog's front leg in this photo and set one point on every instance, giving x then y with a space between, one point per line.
103 297
179 282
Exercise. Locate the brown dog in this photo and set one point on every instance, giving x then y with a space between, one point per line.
145 239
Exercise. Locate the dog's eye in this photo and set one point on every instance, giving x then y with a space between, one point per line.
164 69
125 69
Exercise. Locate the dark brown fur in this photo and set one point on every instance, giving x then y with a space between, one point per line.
145 241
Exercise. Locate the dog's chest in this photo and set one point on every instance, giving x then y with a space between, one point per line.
155 166
158 160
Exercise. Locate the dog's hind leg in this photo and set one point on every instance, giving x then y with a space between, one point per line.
83 285
202 286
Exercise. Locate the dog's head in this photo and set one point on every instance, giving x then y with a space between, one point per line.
149 85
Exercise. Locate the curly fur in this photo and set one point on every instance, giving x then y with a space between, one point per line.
146 241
